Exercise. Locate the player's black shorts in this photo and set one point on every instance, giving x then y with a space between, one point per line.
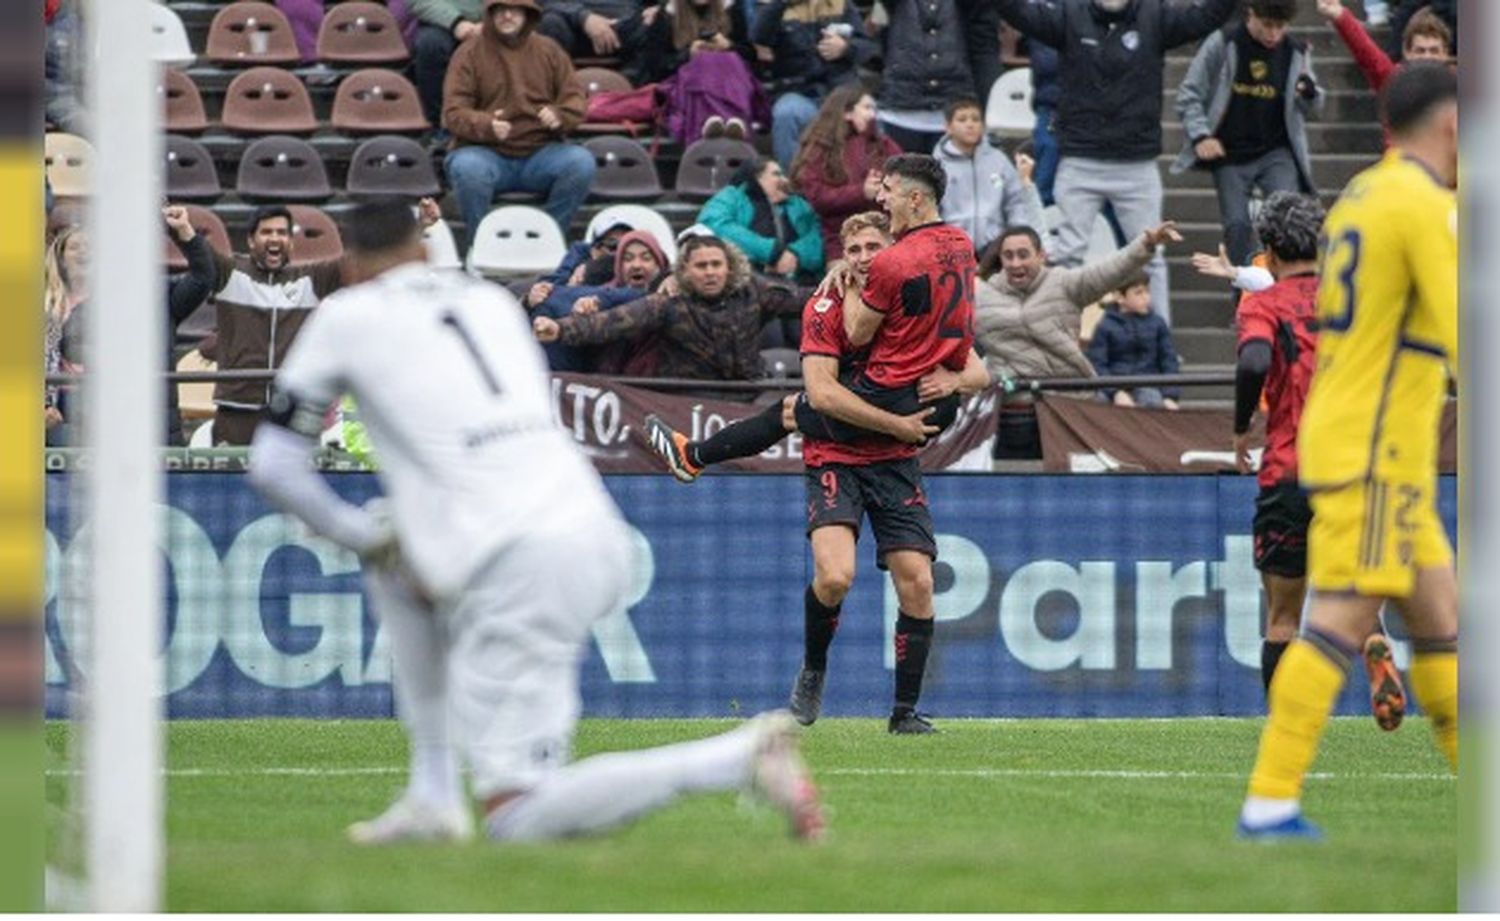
1282 516
901 401
889 492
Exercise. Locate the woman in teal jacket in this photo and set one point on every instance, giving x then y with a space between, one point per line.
777 231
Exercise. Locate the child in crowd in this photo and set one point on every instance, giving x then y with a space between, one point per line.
1132 339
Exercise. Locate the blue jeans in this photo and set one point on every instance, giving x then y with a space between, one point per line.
561 172
791 113
1271 172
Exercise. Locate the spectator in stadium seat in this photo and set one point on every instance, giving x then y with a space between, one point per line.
64 109
708 328
702 47
1027 318
839 165
935 51
1130 339
442 25
1111 56
1406 11
777 230
601 28
65 274
510 99
1426 38
986 192
1244 105
815 45
306 17
602 245
636 268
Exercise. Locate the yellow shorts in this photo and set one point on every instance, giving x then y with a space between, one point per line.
1372 536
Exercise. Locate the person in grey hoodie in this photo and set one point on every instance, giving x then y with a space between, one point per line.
986 192
1244 105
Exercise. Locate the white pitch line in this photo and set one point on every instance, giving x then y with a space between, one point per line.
981 773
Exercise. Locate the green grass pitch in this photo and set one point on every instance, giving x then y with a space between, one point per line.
1053 815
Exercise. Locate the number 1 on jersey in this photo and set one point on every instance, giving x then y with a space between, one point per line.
451 320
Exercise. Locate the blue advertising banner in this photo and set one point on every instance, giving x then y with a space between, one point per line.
1118 596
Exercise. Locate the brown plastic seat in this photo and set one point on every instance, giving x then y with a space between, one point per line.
69 162
190 173
280 168
268 100
377 101
624 171
708 165
315 237
361 33
208 226
248 33
183 102
392 165
602 80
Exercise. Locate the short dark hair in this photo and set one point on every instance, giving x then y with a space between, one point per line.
269 213
1274 10
382 224
922 169
958 105
1289 224
1414 92
1139 278
1021 230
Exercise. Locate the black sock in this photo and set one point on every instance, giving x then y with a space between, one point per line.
1270 655
820 621
745 438
913 640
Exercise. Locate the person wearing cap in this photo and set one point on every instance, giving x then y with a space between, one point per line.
510 100
600 242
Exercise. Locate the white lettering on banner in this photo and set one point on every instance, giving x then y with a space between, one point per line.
219 601
705 426
597 414
1157 591
1092 586
965 596
1237 578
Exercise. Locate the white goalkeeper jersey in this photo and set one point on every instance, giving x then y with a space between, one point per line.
454 392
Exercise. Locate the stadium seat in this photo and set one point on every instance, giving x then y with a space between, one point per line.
69 162
281 168
781 363
625 170
602 80
361 33
208 226
248 32
182 102
190 173
1009 111
377 101
196 401
392 165
641 218
442 251
268 100
169 39
516 240
708 165
315 236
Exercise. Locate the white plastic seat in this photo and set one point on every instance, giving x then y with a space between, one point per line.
442 252
169 38
69 162
1008 113
516 240
641 218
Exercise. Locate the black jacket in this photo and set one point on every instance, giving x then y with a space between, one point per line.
796 66
937 50
1134 343
1110 73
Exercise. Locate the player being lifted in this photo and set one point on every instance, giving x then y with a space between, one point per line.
912 414
1278 344
475 571
1368 446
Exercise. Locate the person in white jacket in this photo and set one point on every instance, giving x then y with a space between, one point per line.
986 192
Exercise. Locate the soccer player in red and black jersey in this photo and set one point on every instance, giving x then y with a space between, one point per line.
916 313
1278 354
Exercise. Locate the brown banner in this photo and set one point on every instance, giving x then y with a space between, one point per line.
1082 436
606 421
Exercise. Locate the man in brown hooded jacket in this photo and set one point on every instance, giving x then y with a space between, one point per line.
509 100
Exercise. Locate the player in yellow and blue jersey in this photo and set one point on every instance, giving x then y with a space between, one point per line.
1368 444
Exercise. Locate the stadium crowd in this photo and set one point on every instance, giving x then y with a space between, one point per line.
796 104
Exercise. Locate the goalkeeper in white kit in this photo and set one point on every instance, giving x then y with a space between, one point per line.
499 550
